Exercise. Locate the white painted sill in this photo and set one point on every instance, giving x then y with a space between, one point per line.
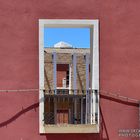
71 128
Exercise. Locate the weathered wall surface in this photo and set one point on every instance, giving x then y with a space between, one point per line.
119 63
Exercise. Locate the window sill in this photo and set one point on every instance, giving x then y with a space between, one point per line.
71 128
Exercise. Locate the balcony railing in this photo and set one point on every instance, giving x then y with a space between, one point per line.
50 118
64 91
66 107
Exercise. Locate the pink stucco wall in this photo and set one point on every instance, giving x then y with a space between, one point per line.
119 63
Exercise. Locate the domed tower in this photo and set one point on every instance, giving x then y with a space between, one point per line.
63 45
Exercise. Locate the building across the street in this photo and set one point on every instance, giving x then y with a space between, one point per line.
66 103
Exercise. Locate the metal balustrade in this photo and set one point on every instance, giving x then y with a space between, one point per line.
66 107
64 91
49 118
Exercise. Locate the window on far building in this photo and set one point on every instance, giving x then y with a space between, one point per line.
62 76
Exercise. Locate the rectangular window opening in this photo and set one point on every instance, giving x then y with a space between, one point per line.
69 77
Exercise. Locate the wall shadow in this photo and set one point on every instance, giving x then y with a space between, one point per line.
47 80
73 136
103 128
119 101
17 115
79 78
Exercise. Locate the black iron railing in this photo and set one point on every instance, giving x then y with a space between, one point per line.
64 91
52 118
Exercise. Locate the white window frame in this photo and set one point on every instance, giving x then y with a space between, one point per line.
94 74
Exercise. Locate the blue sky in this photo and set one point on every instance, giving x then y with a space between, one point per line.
77 37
